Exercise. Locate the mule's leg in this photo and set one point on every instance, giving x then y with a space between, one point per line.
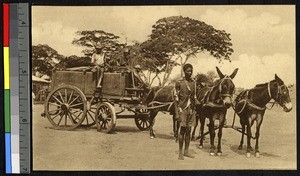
212 136
258 124
202 123
243 133
152 121
249 148
221 125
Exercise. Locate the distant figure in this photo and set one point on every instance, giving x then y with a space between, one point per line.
98 60
139 74
125 59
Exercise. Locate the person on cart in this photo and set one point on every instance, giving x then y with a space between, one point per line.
140 76
99 63
185 101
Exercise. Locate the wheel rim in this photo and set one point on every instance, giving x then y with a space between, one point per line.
105 117
65 107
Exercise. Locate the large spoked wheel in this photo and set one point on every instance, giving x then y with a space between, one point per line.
89 119
105 117
142 120
66 107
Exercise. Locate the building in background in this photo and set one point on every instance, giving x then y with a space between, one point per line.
39 87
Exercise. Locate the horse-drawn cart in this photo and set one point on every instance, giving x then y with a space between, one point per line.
74 100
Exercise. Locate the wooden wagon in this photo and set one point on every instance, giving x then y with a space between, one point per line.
74 101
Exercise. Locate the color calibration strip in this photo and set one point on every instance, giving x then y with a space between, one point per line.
16 87
6 14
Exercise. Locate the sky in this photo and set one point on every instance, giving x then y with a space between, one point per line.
263 36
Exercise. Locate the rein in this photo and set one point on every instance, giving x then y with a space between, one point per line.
207 102
248 102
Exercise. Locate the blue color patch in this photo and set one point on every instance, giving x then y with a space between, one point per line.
8 153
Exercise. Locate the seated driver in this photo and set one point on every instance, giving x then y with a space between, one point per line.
98 60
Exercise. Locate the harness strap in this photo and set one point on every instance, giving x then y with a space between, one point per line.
160 104
269 90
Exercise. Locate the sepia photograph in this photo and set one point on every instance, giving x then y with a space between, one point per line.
155 88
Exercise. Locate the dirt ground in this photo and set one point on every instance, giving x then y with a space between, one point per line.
131 149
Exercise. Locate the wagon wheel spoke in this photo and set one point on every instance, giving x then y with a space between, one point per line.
71 115
78 116
76 104
92 112
66 96
55 116
61 96
74 100
57 99
66 119
103 124
55 110
71 119
91 115
143 124
74 111
60 120
71 95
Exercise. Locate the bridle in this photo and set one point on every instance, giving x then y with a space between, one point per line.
224 95
280 88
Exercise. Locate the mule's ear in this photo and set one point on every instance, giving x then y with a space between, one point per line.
220 73
234 73
277 78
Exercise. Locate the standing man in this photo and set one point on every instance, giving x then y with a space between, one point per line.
185 100
99 62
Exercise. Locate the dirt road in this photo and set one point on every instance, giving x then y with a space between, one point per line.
131 149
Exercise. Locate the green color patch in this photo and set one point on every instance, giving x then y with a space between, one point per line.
7 111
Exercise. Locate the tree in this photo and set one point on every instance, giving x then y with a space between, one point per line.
44 58
211 75
180 38
73 61
203 79
99 38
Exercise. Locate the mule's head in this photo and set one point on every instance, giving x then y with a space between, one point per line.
226 87
281 94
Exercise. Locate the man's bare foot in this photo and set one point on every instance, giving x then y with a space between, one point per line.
180 157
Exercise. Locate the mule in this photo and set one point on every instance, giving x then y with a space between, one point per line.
214 102
251 106
161 97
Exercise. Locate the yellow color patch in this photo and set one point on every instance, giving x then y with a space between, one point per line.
6 67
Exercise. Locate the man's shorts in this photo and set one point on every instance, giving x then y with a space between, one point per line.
187 117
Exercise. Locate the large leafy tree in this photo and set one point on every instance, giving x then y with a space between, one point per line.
179 38
44 58
98 38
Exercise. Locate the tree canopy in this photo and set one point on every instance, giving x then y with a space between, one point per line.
44 58
175 39
177 35
98 38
